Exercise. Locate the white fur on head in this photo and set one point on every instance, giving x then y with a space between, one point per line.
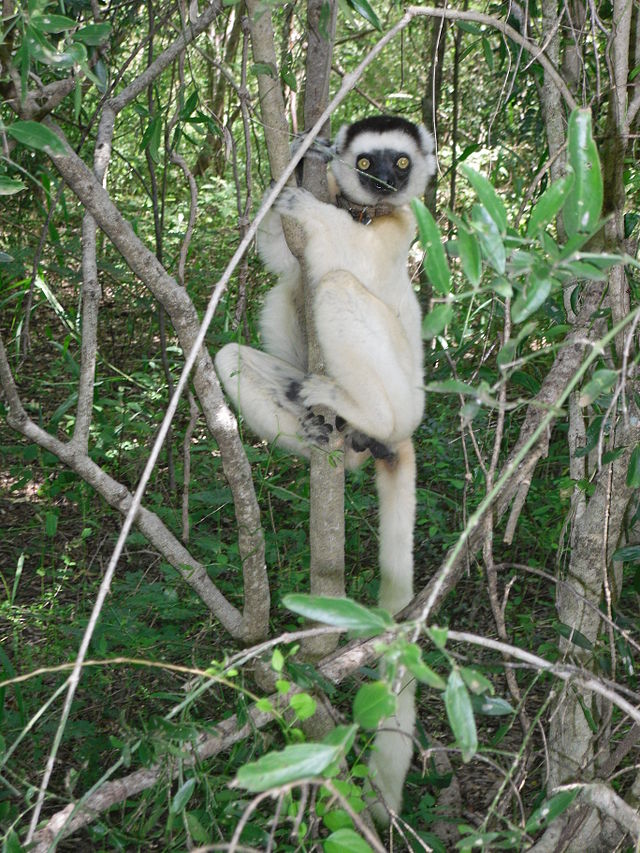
396 138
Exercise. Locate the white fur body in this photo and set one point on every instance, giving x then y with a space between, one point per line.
368 325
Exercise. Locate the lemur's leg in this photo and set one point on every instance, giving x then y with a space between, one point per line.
258 385
368 360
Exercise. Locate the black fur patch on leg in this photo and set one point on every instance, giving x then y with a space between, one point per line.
360 442
293 391
380 450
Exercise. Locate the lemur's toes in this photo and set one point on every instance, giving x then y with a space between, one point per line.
316 429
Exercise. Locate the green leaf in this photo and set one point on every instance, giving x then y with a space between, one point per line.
303 705
631 219
362 8
507 354
488 53
529 383
12 843
78 53
491 706
626 657
289 77
435 321
535 294
189 106
182 796
460 713
52 23
101 75
77 100
411 657
374 702
488 197
627 554
612 455
601 381
470 255
346 841
588 715
51 523
584 201
152 137
633 471
550 810
469 27
475 681
277 660
573 636
435 262
549 204
324 20
265 69
196 829
36 135
502 286
438 636
489 237
341 737
38 48
299 761
337 819
340 612
452 386
10 186
93 34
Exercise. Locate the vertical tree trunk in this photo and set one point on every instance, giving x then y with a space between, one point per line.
327 478
598 520
326 514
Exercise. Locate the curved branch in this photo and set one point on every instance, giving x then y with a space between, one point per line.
337 667
119 497
495 23
221 423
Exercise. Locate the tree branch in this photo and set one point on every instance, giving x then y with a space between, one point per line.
219 419
495 23
119 497
337 667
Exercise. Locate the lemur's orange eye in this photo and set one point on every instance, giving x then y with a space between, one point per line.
402 162
363 163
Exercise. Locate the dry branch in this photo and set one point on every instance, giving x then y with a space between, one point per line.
337 667
185 320
119 497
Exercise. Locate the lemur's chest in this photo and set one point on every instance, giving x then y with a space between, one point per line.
376 253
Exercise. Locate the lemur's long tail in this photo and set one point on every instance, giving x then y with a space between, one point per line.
393 747
396 483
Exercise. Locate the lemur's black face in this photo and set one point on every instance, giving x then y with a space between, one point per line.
384 170
382 160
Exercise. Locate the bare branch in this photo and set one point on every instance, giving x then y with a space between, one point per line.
336 667
119 497
565 672
186 322
605 799
503 27
91 295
